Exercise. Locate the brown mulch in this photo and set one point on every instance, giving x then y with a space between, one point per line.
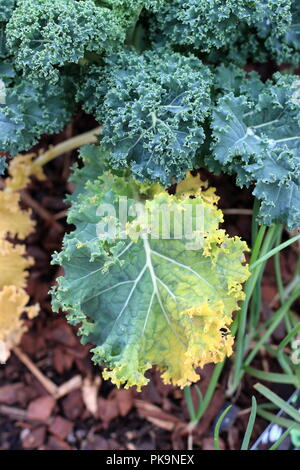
87 412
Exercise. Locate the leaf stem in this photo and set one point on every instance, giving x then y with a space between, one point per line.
275 250
89 137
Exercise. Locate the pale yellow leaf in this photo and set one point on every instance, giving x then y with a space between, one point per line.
190 184
13 264
13 220
13 303
21 168
90 390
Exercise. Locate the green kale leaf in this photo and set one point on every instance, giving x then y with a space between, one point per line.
153 107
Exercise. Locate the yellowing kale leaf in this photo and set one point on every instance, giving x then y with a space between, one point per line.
147 301
13 305
14 264
152 107
13 220
257 136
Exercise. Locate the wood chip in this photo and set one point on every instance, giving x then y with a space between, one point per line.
61 427
41 408
9 393
35 438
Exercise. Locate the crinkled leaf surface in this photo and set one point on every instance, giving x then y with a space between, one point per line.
13 264
21 169
46 34
146 302
212 24
286 47
31 110
14 221
257 136
153 107
6 8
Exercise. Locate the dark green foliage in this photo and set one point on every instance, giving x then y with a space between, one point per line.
152 107
28 110
135 66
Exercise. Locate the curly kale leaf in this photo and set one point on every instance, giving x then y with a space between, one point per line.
46 34
208 24
276 37
152 107
3 50
3 165
6 9
130 6
286 46
28 110
257 136
146 301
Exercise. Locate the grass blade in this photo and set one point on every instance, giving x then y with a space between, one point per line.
277 317
189 403
274 251
288 338
272 376
284 422
279 402
217 428
281 439
250 425
210 390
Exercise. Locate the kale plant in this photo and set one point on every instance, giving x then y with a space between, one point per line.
168 83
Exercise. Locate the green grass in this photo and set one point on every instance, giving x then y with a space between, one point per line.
253 335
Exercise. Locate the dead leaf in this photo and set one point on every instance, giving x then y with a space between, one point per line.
155 415
90 390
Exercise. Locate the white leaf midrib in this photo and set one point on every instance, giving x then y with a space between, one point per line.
156 292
